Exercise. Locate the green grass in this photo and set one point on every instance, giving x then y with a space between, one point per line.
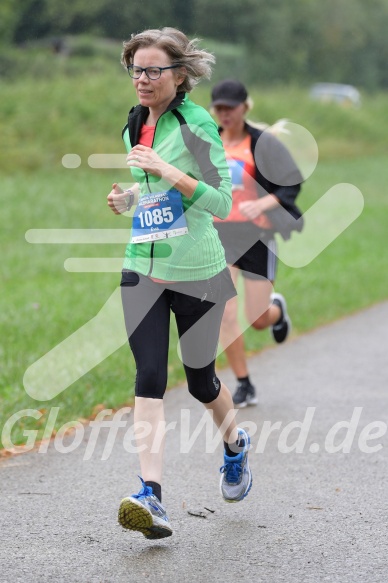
80 105
82 111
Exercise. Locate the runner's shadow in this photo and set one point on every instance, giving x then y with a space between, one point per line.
154 550
143 562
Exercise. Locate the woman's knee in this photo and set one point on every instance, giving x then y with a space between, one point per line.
150 382
203 386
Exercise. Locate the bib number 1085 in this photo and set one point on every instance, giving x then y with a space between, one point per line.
156 217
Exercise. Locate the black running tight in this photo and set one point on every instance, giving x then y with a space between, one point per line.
147 308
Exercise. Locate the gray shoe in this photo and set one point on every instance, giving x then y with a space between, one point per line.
144 513
245 395
236 478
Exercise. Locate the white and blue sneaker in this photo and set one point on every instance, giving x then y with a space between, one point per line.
143 512
236 478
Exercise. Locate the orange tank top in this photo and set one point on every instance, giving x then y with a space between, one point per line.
242 173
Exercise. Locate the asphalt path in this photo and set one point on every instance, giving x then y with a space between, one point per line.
317 511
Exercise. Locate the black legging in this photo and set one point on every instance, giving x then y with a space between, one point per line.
147 307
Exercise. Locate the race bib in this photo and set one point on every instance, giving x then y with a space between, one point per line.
159 215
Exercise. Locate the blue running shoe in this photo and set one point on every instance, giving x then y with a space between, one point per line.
143 512
236 478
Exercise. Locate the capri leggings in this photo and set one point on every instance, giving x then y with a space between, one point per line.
198 308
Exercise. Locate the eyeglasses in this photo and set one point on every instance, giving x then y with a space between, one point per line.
152 73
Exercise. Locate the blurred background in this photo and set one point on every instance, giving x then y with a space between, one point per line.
258 41
63 91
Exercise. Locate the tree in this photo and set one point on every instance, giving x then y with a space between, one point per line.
8 21
284 40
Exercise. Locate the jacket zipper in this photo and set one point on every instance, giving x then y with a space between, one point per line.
149 190
153 243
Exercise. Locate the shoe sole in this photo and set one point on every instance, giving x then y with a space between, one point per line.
289 328
133 516
252 402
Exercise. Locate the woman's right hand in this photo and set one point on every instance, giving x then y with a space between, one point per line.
117 199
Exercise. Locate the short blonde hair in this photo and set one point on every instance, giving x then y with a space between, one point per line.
181 51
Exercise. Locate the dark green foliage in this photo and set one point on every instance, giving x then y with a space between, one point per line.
283 40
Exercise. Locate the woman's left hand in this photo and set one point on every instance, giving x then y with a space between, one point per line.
146 159
251 209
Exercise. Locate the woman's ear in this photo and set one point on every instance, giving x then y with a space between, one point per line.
181 75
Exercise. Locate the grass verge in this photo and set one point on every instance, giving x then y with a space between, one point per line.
42 303
82 111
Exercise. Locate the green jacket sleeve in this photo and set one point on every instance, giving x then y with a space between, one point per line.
214 190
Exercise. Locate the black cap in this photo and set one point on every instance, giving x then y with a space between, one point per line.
229 92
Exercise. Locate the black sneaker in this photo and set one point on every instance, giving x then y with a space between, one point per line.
282 328
245 395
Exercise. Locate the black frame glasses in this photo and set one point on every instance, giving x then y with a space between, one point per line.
153 77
